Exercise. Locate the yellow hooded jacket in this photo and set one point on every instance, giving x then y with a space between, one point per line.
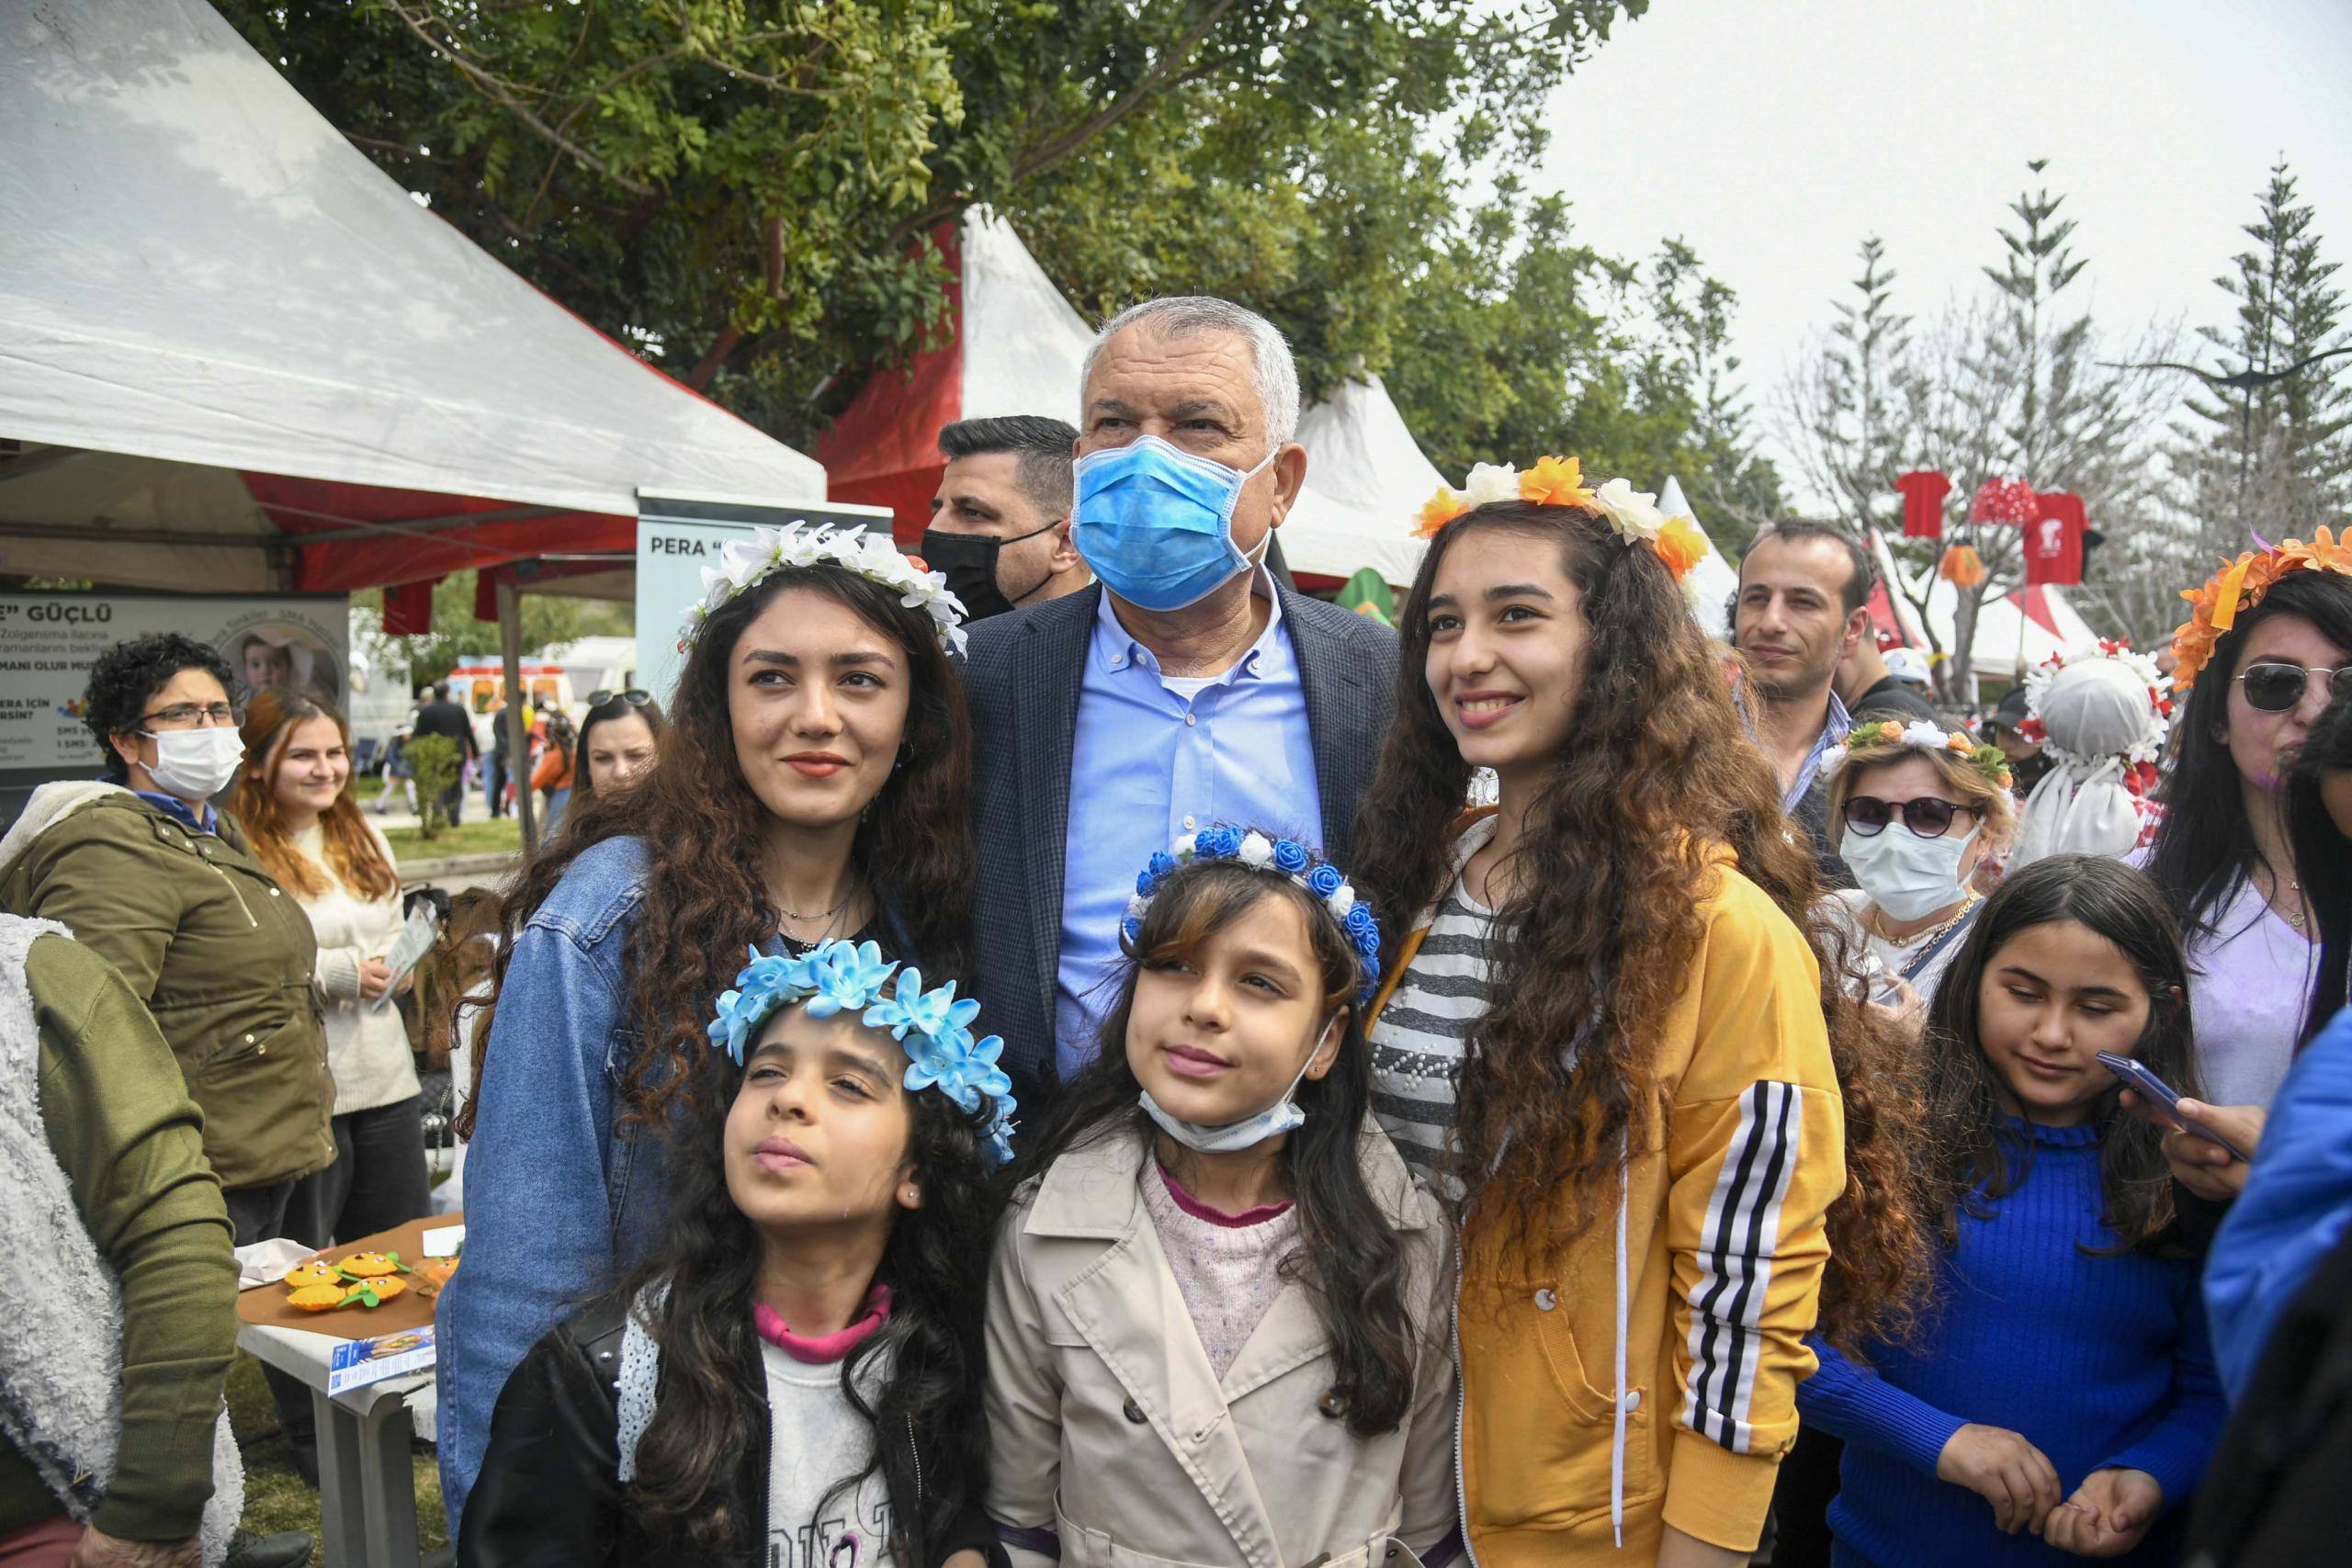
1647 1375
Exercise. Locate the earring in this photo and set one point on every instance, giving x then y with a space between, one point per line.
913 1193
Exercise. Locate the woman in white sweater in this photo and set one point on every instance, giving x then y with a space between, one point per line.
294 802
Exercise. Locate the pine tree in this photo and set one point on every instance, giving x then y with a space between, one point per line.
2281 454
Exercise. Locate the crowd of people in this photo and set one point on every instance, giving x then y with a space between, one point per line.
1032 1055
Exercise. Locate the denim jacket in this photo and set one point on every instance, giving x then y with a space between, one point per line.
557 1204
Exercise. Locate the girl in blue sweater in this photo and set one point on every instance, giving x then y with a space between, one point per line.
2060 1397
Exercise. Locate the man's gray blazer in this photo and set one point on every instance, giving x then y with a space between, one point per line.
1022 675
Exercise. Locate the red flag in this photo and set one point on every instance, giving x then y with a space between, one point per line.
408 608
1923 503
2053 541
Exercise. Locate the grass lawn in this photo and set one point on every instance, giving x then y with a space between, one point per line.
504 836
278 1499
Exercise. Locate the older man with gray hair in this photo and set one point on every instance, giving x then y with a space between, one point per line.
1186 688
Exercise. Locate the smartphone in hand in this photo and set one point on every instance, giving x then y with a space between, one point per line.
2140 1079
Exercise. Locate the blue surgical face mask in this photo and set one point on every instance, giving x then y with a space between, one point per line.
1156 521
1282 1116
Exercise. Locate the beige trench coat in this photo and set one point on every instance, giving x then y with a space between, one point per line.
1108 1427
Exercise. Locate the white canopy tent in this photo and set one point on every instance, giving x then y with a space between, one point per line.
1366 478
201 279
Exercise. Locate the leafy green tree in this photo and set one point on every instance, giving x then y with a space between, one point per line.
748 190
750 193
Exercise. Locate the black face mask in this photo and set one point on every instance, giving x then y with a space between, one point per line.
968 562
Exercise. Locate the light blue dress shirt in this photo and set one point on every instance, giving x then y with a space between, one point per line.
1155 756
1832 733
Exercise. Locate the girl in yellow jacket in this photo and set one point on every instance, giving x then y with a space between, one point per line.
1605 1035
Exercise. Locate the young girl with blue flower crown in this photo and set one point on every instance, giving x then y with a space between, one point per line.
795 1382
1216 1319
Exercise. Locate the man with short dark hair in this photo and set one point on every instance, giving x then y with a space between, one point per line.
442 717
1000 524
1803 607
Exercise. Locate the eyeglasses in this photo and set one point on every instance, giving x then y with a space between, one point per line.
1927 817
189 716
635 697
2275 688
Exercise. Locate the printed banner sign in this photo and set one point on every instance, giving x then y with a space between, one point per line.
677 536
47 642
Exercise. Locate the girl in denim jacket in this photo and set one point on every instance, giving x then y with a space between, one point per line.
812 785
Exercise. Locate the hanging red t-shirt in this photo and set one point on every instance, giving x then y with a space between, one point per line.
2053 541
1923 503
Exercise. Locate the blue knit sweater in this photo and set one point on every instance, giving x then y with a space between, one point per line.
2098 1361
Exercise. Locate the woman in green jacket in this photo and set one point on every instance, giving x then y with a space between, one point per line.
142 870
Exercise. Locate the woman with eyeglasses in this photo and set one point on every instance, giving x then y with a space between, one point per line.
143 872
618 740
2268 646
1915 810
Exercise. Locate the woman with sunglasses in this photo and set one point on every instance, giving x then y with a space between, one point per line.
1915 810
2268 645
618 740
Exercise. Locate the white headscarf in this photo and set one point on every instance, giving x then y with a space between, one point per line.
2102 717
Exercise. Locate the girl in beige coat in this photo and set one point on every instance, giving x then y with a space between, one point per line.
1217 1319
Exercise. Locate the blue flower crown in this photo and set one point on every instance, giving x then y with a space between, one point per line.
1279 857
841 977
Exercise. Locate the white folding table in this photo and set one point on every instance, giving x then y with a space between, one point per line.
366 1479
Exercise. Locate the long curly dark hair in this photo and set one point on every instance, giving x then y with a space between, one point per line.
931 1454
1977 1158
706 900
2323 861
1653 781
1352 1258
2205 850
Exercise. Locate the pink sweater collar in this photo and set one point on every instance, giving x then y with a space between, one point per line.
823 1347
1200 1211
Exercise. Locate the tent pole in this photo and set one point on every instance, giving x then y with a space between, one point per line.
519 764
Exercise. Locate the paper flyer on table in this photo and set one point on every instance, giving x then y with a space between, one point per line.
355 1363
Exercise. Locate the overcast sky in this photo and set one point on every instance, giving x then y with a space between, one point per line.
1774 134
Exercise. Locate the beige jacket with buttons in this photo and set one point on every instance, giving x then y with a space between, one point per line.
1108 1429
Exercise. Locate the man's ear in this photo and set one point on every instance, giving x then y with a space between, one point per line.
126 746
1290 478
1858 627
1065 557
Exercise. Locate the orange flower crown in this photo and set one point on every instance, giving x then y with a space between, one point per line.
2239 587
1559 482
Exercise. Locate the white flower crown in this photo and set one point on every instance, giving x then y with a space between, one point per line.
743 563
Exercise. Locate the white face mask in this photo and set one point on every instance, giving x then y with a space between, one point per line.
1906 876
1282 1116
195 764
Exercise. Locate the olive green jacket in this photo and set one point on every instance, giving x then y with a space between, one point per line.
129 1143
221 954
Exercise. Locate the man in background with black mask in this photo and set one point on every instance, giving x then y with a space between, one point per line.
1000 524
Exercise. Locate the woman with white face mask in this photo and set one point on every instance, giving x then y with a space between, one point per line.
1916 810
144 873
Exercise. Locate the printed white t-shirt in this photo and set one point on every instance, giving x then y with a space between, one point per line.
815 1440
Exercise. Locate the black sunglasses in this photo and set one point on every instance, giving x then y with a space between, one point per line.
635 697
1928 816
2275 688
